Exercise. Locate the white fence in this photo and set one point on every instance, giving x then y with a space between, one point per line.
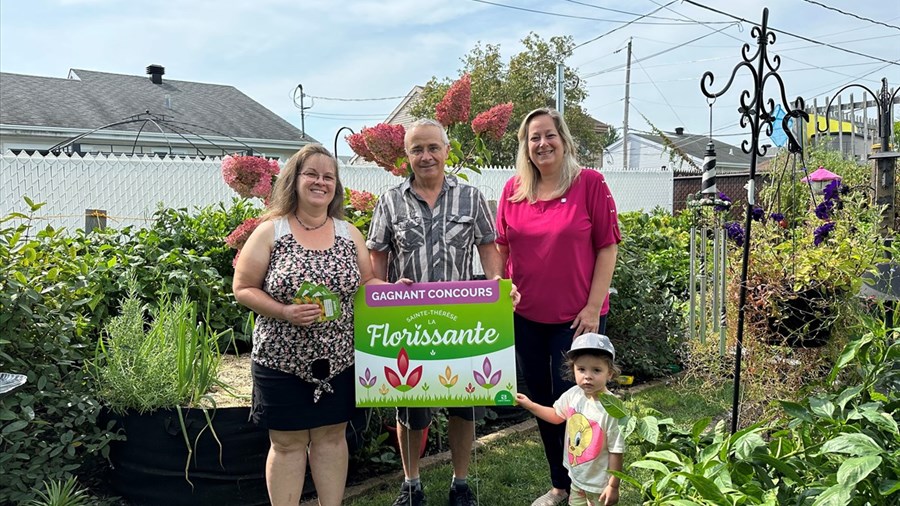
633 189
131 188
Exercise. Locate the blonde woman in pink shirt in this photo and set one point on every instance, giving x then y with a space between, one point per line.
557 232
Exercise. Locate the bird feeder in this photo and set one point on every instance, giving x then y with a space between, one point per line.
819 179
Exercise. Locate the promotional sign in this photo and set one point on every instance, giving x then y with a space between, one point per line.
440 344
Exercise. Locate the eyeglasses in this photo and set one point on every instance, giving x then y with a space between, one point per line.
314 176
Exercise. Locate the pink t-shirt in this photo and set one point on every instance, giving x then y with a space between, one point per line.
553 246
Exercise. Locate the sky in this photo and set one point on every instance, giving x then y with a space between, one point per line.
355 58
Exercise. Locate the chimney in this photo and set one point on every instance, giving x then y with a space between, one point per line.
156 72
678 130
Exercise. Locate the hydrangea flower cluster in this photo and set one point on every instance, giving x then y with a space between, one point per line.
383 145
239 236
457 103
493 122
362 201
250 176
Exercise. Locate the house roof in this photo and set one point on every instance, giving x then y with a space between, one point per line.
727 155
401 114
89 100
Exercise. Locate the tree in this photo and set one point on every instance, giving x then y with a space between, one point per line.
528 80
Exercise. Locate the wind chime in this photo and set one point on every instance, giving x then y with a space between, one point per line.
708 282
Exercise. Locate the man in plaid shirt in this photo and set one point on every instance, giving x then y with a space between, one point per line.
424 230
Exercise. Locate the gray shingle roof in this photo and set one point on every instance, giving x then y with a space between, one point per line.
695 146
94 99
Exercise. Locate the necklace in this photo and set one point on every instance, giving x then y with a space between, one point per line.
307 227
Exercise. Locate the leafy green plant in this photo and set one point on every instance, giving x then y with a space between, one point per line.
58 493
645 320
179 255
172 363
836 447
48 428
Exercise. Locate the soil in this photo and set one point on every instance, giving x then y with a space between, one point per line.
234 371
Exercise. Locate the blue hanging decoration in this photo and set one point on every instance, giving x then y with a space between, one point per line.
708 182
779 135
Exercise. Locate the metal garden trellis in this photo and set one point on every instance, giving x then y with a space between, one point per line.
757 112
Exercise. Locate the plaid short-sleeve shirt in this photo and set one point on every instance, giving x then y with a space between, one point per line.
431 244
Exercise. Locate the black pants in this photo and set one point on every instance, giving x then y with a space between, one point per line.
541 355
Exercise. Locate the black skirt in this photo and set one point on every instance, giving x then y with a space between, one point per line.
282 401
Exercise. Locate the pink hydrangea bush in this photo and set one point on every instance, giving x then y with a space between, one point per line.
250 176
493 122
362 201
382 144
239 236
457 102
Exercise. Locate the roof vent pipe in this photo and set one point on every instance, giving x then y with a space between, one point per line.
678 130
156 72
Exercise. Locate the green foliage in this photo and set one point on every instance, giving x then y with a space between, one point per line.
48 426
796 286
179 255
528 80
172 363
645 320
361 219
58 493
836 447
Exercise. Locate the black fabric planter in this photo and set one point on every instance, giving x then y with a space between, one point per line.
149 467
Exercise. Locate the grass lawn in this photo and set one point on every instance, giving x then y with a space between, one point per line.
513 472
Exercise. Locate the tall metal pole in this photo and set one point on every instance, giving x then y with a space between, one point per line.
561 87
625 157
756 112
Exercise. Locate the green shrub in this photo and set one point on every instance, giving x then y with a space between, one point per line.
48 426
836 447
645 320
179 255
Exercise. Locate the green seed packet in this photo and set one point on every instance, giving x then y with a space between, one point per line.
302 294
328 302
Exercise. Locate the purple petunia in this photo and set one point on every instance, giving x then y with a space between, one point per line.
723 207
757 213
832 190
821 232
823 210
776 216
735 232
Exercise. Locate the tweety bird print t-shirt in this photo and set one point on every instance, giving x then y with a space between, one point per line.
591 435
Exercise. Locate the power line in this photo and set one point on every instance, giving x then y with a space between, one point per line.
654 11
801 37
851 14
681 23
661 94
678 46
354 99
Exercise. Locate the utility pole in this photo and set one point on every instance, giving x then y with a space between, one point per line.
627 98
560 88
300 105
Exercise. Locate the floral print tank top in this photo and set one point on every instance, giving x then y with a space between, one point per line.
319 352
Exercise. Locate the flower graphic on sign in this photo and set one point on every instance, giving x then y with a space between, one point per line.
383 390
487 381
396 380
449 379
367 380
470 388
